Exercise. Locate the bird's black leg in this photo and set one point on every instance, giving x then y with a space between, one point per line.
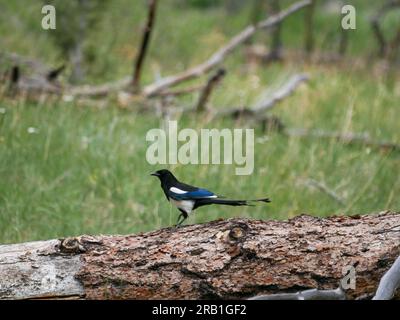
183 215
179 217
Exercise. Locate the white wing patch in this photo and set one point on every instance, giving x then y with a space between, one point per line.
177 191
185 205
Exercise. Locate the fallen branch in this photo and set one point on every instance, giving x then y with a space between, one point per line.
29 75
312 294
223 259
143 48
376 26
15 59
211 84
286 90
394 46
323 188
348 138
100 90
275 53
389 283
220 55
309 27
179 92
270 101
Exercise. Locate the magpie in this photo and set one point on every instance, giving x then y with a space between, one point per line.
188 198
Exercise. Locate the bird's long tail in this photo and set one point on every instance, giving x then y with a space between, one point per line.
227 202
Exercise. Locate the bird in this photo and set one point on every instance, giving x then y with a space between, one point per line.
187 198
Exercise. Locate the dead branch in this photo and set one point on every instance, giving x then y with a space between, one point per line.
15 75
394 46
145 42
343 44
389 283
286 90
211 84
53 74
99 90
33 85
256 112
312 294
223 259
309 27
348 138
179 92
161 86
24 68
275 53
17 60
220 54
323 188
268 102
376 25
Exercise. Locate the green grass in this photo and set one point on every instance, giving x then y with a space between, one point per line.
84 170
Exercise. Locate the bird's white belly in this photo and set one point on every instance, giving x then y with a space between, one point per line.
185 205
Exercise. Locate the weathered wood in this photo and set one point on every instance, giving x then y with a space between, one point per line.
235 258
208 88
390 282
269 100
311 294
162 85
38 270
346 138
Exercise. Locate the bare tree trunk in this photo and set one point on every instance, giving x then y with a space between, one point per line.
208 88
145 42
276 41
376 22
235 258
76 60
255 16
76 52
343 42
394 46
309 27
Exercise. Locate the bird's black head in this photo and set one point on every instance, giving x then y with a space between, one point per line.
164 175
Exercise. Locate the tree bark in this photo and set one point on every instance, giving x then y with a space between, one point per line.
223 259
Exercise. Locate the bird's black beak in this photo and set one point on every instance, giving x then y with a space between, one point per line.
155 174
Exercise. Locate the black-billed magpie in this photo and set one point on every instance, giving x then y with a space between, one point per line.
188 198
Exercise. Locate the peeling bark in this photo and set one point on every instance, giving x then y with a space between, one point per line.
223 259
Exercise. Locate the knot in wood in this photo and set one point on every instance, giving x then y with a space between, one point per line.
237 233
71 245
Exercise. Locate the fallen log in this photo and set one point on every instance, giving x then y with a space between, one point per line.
223 259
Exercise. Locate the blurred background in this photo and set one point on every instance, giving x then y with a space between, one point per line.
74 163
